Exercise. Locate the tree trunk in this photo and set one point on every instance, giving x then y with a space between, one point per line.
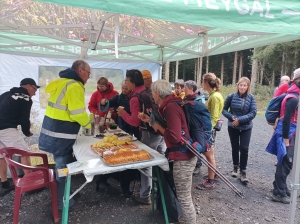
241 65
207 64
167 70
283 63
234 68
199 78
261 76
222 70
273 79
254 72
176 74
295 59
195 71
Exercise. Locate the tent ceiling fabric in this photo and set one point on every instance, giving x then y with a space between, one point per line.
45 29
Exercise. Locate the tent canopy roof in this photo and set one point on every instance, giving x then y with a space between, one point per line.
117 33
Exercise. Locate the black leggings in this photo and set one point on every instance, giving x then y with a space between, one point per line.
240 146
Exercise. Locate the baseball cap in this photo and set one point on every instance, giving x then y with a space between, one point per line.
29 81
146 74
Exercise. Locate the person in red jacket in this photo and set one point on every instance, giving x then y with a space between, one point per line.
105 90
284 87
184 161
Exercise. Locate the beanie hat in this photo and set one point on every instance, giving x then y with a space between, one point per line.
146 74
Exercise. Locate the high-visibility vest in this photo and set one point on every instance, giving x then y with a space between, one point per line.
66 102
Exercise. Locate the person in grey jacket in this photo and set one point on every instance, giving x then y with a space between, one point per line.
240 110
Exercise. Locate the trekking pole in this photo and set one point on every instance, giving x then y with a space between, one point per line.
216 171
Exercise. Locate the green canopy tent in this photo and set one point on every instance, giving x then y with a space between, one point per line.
131 31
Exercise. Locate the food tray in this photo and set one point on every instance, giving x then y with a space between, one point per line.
131 145
127 163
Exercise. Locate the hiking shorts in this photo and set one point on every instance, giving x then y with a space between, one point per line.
11 137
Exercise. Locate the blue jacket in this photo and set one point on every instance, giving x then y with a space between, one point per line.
276 145
241 107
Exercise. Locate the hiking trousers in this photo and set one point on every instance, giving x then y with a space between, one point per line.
155 142
183 174
283 170
240 140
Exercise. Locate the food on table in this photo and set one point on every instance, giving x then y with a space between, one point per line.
126 157
123 150
113 126
120 134
100 136
102 145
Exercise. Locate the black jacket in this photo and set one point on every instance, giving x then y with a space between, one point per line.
15 106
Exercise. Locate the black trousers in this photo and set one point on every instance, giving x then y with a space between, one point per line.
240 140
283 170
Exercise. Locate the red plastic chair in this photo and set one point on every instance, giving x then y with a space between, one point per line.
39 178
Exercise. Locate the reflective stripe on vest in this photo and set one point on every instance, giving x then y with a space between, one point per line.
58 135
86 124
57 104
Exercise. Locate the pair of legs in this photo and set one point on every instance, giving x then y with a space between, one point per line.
283 170
157 143
240 140
61 162
182 174
11 137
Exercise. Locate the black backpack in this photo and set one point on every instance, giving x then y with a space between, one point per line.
147 107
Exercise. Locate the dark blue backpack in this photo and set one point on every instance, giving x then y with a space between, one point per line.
199 124
273 108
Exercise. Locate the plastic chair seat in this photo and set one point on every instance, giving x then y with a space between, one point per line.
34 181
41 177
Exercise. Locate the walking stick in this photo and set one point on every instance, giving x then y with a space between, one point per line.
208 164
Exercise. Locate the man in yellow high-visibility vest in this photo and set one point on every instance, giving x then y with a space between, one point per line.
65 114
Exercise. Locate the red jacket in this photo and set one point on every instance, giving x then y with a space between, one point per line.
135 108
282 89
98 96
176 121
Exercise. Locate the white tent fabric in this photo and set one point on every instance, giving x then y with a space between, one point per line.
14 68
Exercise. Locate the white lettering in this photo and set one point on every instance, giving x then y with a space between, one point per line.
257 8
29 48
19 48
36 48
268 15
61 47
199 3
77 50
209 6
237 40
71 48
241 11
227 4
51 50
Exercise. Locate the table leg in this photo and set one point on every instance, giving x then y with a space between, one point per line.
162 194
65 214
152 196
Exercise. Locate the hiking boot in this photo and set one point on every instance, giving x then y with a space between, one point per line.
277 198
6 188
244 179
288 193
235 172
206 186
145 201
196 170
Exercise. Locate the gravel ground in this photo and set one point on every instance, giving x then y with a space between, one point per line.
218 206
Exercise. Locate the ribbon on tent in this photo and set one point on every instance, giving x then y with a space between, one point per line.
117 28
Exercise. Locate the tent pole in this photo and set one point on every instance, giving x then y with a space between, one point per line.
295 174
